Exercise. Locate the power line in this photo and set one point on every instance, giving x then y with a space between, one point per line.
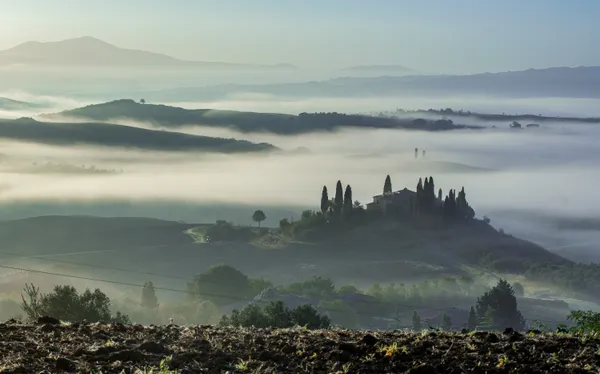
232 297
96 266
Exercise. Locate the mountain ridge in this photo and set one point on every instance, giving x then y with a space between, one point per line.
90 51
574 82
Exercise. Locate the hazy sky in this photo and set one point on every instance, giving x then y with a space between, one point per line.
459 36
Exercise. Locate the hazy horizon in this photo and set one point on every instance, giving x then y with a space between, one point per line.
511 35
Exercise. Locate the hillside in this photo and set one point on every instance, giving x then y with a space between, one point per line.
108 135
92 52
84 348
9 104
581 82
396 252
170 116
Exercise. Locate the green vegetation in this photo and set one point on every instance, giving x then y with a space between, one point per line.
65 304
277 315
497 308
149 299
258 216
222 285
416 321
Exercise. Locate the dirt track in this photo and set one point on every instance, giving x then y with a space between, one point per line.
92 348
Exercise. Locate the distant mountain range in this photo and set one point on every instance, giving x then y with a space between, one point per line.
397 70
580 82
89 51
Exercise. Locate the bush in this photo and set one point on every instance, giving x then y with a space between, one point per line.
65 304
276 315
585 322
223 231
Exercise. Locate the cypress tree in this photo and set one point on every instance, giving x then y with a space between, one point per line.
440 195
416 321
419 202
446 322
324 200
387 186
472 324
339 197
149 299
348 198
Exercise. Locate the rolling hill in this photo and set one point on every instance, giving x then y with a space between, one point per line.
9 104
92 52
108 135
169 116
395 251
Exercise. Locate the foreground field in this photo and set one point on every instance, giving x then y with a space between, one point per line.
94 348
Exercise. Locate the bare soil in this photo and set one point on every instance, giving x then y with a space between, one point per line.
48 346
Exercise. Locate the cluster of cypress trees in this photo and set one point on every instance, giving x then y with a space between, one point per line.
342 202
453 206
457 206
425 195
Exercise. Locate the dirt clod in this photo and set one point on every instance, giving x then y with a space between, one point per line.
207 349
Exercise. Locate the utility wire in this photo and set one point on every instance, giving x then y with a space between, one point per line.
232 297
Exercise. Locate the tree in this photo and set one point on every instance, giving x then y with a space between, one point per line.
416 153
149 299
440 195
416 321
66 304
259 216
142 101
472 323
284 224
446 322
498 307
339 198
221 284
348 199
387 185
324 200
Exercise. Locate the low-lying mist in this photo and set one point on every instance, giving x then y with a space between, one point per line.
551 171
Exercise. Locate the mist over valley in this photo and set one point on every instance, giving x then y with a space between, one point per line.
385 196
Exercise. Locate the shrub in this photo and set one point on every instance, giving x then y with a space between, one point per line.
585 322
276 315
64 303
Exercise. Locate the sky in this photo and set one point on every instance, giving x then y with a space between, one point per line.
436 36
